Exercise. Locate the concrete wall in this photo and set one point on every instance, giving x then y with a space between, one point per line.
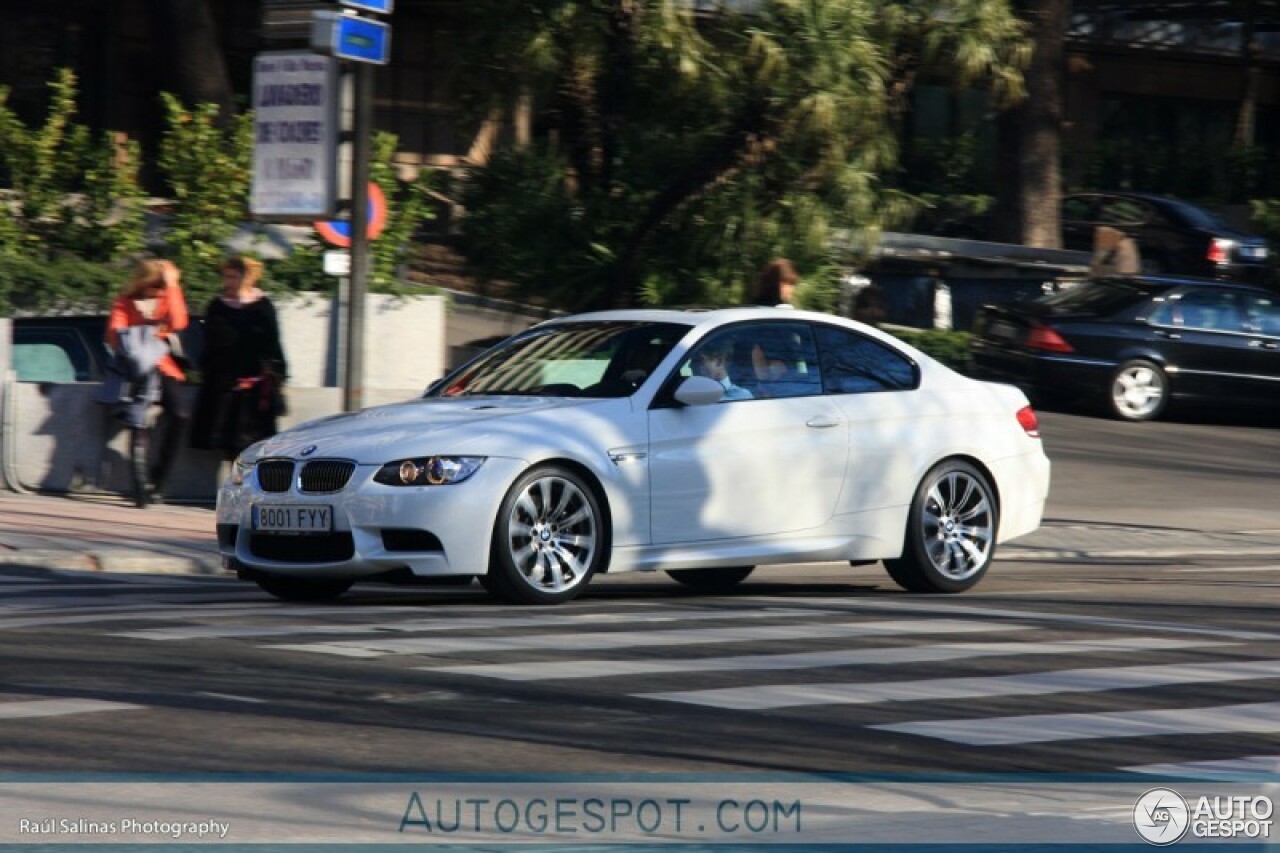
404 341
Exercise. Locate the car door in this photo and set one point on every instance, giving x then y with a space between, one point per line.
874 386
769 464
1262 319
1202 332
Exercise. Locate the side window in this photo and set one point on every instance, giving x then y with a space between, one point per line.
50 355
1077 208
1210 310
721 357
1123 211
1262 313
855 364
783 360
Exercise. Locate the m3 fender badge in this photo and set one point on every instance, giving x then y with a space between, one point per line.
309 449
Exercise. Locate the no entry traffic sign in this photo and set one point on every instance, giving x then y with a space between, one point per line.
338 231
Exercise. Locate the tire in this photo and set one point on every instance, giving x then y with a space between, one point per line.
951 531
549 538
1139 391
298 589
711 580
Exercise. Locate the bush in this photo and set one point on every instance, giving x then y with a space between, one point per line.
62 284
949 347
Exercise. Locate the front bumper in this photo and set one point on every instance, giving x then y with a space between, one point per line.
432 531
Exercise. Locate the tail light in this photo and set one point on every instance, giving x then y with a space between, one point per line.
1028 421
1047 339
1220 250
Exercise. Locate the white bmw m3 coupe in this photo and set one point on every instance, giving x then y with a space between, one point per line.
701 444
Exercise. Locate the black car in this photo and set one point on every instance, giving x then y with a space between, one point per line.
71 348
1172 236
1136 343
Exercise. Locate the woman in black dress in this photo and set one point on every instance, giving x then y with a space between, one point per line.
242 365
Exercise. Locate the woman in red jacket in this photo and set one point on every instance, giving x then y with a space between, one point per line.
153 297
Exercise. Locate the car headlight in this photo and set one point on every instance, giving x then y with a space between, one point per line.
428 471
241 469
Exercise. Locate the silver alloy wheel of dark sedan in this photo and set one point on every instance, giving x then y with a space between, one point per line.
549 539
1139 390
951 531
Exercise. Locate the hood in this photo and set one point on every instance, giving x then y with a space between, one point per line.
374 435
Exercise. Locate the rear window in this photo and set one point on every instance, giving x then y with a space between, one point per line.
1101 297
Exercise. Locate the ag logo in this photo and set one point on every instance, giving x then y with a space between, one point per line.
1161 816
309 449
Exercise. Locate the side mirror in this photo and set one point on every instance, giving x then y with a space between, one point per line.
699 391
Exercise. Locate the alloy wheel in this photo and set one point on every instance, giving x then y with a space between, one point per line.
552 534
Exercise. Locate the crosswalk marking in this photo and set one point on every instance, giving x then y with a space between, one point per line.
601 640
59 707
978 611
1025 684
1255 718
1236 769
465 623
552 670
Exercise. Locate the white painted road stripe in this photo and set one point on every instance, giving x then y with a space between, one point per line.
975 611
59 707
1026 684
550 670
598 640
478 623
1259 718
1230 768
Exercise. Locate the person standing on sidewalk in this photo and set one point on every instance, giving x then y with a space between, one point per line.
153 298
242 365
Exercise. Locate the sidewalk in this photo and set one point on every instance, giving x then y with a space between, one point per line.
108 534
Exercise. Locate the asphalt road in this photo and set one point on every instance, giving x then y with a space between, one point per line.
807 669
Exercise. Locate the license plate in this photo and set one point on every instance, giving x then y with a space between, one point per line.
292 519
1256 253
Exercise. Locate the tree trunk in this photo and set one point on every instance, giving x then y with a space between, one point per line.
1030 135
186 37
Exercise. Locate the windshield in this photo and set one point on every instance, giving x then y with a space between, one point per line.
602 359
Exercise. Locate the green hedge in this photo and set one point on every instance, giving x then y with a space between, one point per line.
63 284
949 347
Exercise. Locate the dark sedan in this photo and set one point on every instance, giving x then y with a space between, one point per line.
1173 236
1136 343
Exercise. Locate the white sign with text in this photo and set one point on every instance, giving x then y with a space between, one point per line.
295 104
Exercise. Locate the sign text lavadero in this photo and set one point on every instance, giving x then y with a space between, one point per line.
295 103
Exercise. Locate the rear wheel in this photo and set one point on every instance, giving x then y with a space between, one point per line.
712 580
951 531
1139 390
300 589
550 537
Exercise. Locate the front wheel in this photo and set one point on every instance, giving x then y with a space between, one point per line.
550 537
1139 390
301 589
711 580
951 531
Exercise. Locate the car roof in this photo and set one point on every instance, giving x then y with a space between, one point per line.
694 317
1168 282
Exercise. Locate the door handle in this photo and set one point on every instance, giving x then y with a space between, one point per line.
821 422
1173 336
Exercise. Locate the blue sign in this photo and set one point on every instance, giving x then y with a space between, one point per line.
382 7
351 38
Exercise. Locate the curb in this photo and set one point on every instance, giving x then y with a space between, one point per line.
1031 554
116 561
